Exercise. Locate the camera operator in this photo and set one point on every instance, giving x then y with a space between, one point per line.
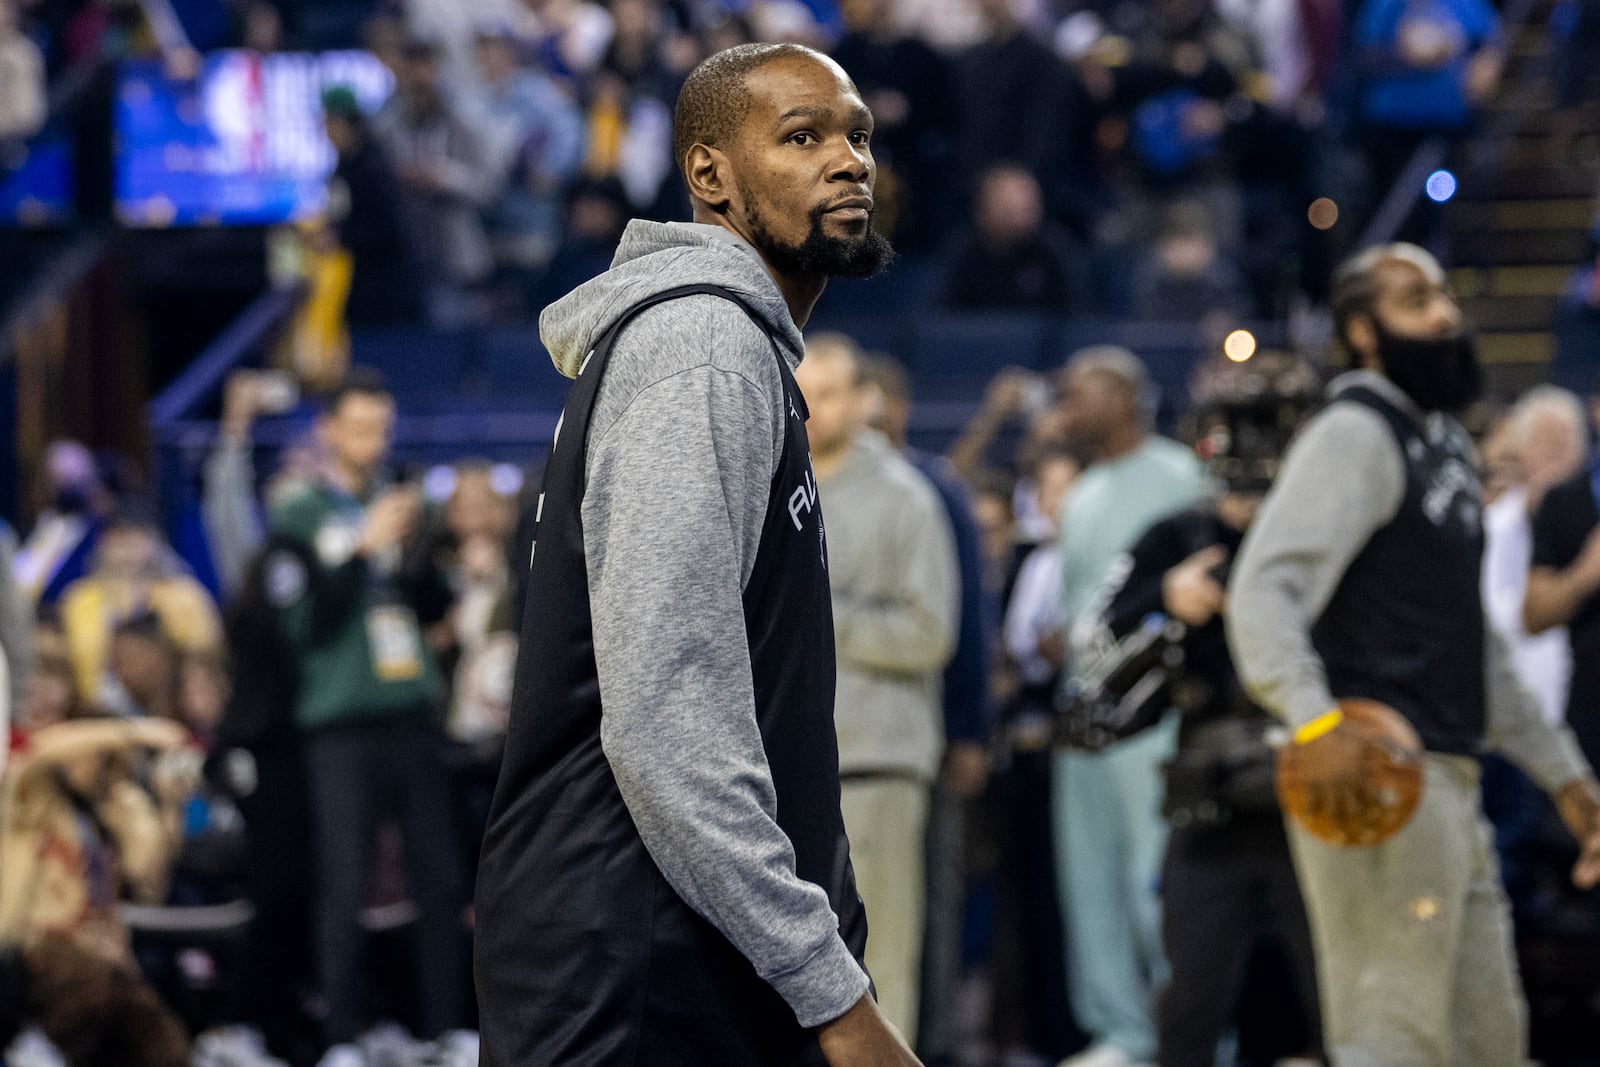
1228 876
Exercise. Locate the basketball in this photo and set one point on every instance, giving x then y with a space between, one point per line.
1390 762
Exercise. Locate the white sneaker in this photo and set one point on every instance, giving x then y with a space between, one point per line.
390 1045
458 1048
32 1049
232 1046
1099 1056
342 1056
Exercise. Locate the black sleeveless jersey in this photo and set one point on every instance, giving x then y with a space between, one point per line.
1406 625
585 955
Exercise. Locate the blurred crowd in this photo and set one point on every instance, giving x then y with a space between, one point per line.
244 789
253 809
1105 157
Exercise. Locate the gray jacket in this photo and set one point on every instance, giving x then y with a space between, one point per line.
896 604
684 441
1342 481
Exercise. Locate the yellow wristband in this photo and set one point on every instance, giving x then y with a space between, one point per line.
1314 729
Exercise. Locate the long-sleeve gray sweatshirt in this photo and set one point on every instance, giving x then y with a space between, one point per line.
1342 481
684 441
896 604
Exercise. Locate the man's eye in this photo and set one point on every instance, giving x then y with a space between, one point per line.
802 138
860 137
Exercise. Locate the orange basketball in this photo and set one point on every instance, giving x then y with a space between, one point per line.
1390 761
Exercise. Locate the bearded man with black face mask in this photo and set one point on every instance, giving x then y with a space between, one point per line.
1360 579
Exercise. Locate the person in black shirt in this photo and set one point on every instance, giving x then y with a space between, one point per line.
1012 260
907 86
1562 591
363 199
1228 877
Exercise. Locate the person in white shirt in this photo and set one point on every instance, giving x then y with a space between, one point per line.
1548 432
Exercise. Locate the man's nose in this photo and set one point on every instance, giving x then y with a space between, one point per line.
1446 315
853 163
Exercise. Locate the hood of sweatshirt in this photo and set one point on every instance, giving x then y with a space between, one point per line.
652 258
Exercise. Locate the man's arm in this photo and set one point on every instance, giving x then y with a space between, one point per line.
1341 482
672 518
914 631
1133 587
1556 594
1516 727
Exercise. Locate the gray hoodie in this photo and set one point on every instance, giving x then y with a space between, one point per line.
684 441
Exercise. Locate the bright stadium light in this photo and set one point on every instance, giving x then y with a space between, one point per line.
1240 345
1441 186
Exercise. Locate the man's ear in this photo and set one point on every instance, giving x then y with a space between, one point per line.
1362 336
709 175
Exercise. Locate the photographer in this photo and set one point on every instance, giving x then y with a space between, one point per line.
366 706
1227 876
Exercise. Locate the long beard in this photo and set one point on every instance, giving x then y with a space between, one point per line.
819 254
1438 374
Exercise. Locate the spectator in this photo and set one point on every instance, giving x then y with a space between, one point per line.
442 162
896 602
1012 89
261 27
1012 260
1430 64
964 773
368 221
145 664
992 497
630 111
597 212
570 36
75 504
258 754
907 86
1030 985
536 136
1187 278
78 834
1548 433
1014 404
949 25
1562 586
1109 836
365 709
1576 365
49 695
1227 880
229 505
136 573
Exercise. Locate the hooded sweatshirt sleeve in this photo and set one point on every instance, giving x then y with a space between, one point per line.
1341 482
678 488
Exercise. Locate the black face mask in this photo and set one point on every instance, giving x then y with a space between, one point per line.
1438 374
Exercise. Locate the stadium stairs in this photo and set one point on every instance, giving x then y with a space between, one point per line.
1519 228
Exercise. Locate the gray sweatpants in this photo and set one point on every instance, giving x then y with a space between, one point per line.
1413 937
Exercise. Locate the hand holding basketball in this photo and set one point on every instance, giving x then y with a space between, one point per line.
1353 777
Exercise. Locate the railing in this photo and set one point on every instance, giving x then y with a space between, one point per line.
180 431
